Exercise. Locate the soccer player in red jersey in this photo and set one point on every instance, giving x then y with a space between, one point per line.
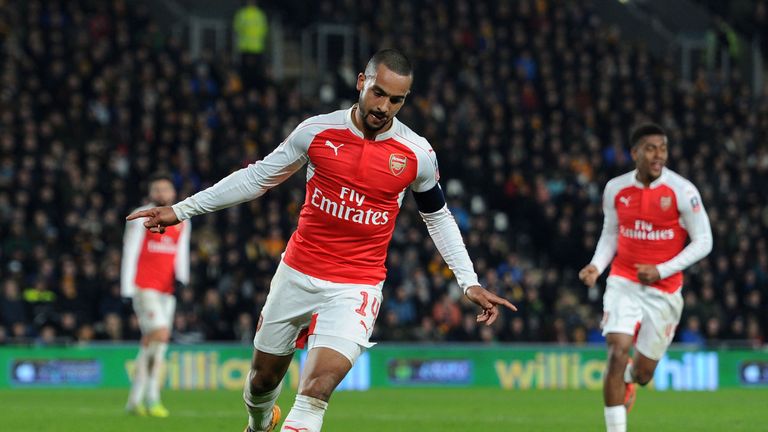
648 215
328 286
152 262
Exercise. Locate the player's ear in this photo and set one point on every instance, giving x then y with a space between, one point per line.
360 81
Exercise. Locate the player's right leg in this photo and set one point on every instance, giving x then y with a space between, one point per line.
154 311
614 387
262 389
621 315
288 309
135 404
143 309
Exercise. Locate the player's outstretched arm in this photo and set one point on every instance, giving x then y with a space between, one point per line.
157 218
489 302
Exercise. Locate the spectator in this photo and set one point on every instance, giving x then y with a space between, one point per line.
446 314
401 305
13 310
691 333
251 28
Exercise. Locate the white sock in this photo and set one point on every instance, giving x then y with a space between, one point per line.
628 378
259 406
139 383
306 415
616 418
156 373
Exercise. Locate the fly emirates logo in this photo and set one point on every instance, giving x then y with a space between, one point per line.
644 231
348 207
166 245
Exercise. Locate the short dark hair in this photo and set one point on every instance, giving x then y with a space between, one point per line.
158 177
645 130
393 59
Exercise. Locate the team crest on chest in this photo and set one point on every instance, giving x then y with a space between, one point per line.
665 202
397 163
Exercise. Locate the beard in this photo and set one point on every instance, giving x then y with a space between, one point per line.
366 119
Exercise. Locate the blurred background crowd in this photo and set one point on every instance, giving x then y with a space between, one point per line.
528 105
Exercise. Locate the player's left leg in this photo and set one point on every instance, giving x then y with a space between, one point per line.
661 314
135 404
343 323
158 346
146 308
614 387
640 370
621 313
329 360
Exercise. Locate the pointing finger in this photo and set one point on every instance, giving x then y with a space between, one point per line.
139 214
496 300
484 301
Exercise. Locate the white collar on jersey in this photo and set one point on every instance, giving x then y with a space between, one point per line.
656 183
389 133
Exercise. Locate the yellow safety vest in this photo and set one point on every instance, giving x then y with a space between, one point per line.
251 28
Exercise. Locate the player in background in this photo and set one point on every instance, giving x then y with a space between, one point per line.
152 263
361 161
648 214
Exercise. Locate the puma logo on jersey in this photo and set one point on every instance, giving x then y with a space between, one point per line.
625 200
335 148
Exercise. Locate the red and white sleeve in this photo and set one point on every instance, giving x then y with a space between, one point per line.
133 238
608 243
252 181
181 264
696 222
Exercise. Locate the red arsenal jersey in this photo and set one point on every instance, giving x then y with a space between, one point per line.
153 260
354 191
650 225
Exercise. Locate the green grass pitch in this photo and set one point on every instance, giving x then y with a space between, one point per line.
404 409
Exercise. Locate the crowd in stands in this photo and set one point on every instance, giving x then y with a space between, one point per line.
528 105
748 17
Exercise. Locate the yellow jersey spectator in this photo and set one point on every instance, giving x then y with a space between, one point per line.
251 28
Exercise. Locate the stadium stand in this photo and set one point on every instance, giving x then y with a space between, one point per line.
527 103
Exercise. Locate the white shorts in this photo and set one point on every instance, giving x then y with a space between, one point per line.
154 310
628 304
345 347
298 303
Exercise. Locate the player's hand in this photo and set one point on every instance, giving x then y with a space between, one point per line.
647 273
589 275
157 218
489 302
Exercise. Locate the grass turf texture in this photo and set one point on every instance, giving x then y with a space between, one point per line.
405 409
